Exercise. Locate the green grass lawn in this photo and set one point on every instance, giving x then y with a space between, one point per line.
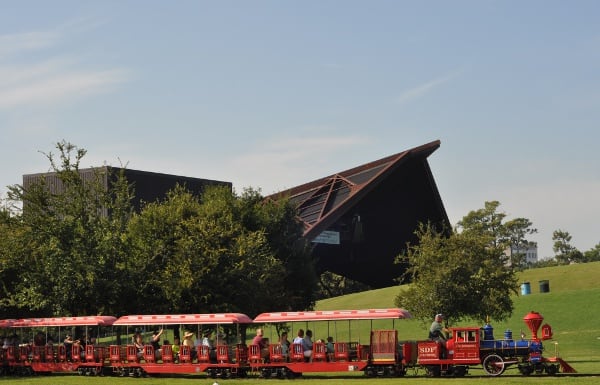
572 307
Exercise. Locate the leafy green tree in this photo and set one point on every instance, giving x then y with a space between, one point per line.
222 253
486 221
284 232
516 231
10 264
463 275
73 247
65 250
564 252
510 235
592 255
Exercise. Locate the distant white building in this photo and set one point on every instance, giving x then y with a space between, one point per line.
530 252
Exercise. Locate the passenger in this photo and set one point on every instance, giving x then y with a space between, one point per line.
222 339
175 347
39 339
7 343
198 341
139 345
77 343
68 342
307 345
155 342
206 341
260 341
329 347
300 337
188 340
285 345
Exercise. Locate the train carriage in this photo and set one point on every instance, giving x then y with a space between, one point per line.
229 360
378 356
46 357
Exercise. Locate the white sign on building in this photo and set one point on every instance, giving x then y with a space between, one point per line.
329 237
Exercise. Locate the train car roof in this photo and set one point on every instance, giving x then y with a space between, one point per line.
170 319
6 323
333 315
100 320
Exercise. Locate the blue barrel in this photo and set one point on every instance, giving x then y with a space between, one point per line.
544 286
525 288
508 334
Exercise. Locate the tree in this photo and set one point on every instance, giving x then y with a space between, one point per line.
62 245
463 275
510 235
485 221
592 255
516 231
217 254
564 252
77 248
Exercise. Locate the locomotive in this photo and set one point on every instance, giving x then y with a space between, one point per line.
381 354
470 346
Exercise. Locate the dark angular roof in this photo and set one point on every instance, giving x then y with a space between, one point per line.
375 207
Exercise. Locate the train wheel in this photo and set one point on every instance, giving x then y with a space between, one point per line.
525 369
552 369
433 370
460 371
493 365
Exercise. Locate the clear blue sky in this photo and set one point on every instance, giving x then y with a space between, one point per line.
272 94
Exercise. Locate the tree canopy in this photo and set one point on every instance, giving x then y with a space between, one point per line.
76 248
465 275
565 253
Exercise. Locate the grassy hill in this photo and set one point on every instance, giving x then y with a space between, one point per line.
571 307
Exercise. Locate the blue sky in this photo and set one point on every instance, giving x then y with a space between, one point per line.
272 94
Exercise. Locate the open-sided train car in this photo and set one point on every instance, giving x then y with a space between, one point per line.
378 355
228 360
37 345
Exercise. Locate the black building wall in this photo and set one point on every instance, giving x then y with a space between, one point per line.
148 186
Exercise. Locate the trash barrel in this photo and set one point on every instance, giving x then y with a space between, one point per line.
525 288
544 286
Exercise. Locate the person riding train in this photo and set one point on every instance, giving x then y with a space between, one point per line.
438 332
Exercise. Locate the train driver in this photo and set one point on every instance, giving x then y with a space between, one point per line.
437 332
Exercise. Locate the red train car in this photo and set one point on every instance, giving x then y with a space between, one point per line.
27 354
227 359
377 355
